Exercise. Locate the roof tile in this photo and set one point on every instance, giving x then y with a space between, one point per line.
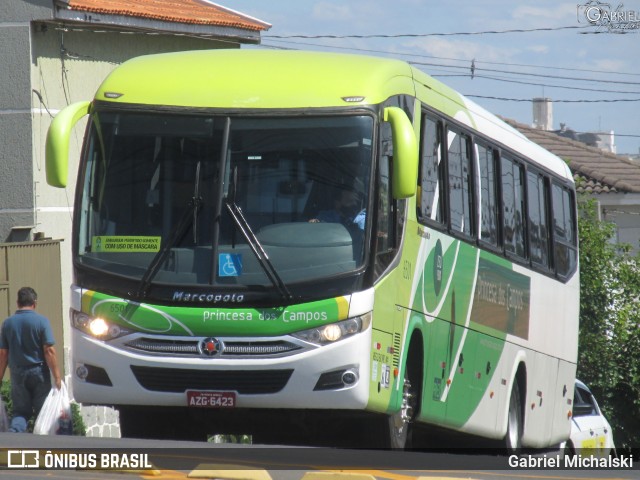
198 12
602 172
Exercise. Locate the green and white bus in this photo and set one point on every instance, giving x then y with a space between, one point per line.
332 241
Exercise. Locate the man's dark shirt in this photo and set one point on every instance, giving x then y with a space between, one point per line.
24 334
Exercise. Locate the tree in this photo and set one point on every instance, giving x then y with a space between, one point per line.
609 345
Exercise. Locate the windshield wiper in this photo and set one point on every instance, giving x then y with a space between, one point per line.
196 203
257 248
188 218
263 258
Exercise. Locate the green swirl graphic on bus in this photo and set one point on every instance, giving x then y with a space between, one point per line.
157 322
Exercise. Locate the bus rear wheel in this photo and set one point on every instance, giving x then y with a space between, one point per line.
513 438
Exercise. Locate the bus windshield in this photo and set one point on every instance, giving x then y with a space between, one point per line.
217 200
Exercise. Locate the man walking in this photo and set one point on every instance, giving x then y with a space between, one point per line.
26 346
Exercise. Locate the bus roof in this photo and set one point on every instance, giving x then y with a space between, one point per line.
255 79
265 79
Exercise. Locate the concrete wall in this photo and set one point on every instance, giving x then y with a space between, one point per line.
16 182
623 209
16 186
25 10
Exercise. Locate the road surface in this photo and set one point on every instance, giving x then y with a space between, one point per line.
102 458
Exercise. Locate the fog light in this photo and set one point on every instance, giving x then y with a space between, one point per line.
349 377
338 379
82 372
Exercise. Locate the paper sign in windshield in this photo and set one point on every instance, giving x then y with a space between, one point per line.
125 244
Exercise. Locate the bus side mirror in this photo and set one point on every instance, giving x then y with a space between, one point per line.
57 148
405 153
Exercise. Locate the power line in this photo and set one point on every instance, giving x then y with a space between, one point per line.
604 100
71 54
621 135
517 81
509 72
423 35
466 61
587 70
546 85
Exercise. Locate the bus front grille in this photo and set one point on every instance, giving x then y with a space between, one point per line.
179 380
232 348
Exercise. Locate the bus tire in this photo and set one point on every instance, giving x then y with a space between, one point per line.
567 449
513 437
399 429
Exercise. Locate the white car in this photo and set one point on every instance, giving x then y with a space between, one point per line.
590 431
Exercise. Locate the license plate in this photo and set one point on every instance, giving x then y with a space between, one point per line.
211 399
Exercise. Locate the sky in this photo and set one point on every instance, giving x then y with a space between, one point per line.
546 48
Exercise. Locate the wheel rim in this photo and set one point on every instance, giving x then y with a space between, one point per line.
402 418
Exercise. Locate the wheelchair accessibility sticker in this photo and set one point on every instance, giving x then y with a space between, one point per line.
229 265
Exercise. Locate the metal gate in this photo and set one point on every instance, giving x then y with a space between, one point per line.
37 265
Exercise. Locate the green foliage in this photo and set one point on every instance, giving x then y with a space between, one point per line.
5 394
79 427
609 349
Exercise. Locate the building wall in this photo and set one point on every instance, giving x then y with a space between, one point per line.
25 10
16 187
623 209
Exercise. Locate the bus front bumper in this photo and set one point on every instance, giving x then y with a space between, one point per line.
331 376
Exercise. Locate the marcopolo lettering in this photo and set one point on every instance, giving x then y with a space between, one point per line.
208 297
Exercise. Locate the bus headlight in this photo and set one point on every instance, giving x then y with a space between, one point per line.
334 332
97 327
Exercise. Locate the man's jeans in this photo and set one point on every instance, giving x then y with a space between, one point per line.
29 389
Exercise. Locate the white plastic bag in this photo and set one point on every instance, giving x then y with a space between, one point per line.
55 416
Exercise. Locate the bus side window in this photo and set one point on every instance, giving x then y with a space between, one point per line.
539 232
565 235
431 204
385 211
513 207
489 213
385 228
460 183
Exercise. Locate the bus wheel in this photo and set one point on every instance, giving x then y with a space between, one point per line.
399 428
513 438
